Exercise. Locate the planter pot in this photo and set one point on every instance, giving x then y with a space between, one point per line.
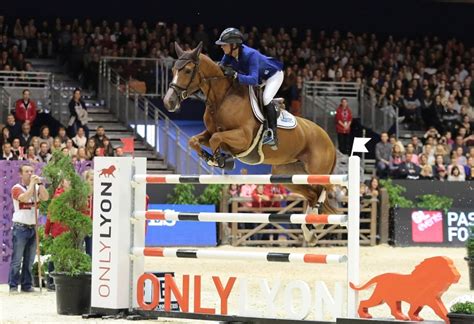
73 293
470 263
455 318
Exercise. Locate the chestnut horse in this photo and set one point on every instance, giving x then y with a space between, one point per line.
231 125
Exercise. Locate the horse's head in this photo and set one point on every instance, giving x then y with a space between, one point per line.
186 78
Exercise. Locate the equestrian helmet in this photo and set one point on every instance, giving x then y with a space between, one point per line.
230 36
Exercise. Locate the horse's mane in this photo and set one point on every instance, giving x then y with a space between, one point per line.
214 69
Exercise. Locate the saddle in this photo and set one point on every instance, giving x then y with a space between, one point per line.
254 154
285 119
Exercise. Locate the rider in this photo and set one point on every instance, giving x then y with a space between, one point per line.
250 67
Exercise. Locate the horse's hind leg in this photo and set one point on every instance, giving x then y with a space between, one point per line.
311 193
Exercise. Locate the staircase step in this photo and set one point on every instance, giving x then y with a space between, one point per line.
109 126
99 110
137 144
156 165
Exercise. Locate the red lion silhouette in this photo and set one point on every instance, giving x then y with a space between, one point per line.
108 171
423 287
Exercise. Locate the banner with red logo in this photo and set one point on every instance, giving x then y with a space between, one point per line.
413 227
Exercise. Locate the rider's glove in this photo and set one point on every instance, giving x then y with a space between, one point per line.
229 71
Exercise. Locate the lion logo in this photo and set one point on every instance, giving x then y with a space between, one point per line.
423 287
107 172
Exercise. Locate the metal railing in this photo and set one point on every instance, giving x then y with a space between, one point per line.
148 123
13 83
154 73
320 100
379 119
5 104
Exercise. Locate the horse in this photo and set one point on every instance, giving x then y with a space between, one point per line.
231 127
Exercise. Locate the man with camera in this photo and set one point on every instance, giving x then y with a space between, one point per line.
24 234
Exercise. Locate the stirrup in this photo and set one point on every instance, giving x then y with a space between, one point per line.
270 139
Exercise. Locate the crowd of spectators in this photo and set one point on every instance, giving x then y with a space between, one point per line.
23 138
428 78
435 157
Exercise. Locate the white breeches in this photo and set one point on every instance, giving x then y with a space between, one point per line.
272 85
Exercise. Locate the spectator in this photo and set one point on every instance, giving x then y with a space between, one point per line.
44 155
233 190
454 163
78 114
62 135
383 151
45 136
17 150
119 151
13 127
31 155
70 146
24 238
343 126
412 111
414 157
108 149
417 146
25 137
56 145
259 198
426 172
99 136
35 141
246 190
80 139
441 150
456 175
450 117
81 154
459 142
5 136
429 152
8 154
396 160
469 168
373 187
90 149
25 109
460 158
408 169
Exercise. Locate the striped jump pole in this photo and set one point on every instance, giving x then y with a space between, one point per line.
170 215
339 179
238 255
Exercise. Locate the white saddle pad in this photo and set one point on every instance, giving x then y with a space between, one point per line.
286 120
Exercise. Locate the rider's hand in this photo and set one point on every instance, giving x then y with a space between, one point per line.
229 71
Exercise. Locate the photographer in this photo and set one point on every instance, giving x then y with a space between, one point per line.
24 235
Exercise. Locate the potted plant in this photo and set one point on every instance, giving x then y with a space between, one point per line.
72 265
462 313
470 257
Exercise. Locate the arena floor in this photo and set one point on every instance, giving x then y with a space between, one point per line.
41 307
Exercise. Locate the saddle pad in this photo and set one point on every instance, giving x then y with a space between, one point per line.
286 120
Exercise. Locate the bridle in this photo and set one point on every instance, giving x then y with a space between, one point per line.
183 92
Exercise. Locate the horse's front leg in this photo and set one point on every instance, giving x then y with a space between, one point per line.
235 141
196 143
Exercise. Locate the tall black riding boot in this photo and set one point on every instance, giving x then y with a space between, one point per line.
270 135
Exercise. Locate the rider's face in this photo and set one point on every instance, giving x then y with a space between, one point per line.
226 48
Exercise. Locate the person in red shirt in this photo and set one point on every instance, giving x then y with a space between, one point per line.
89 177
54 229
343 126
276 192
25 109
261 199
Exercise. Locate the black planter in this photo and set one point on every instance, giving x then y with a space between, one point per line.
470 263
73 293
455 318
